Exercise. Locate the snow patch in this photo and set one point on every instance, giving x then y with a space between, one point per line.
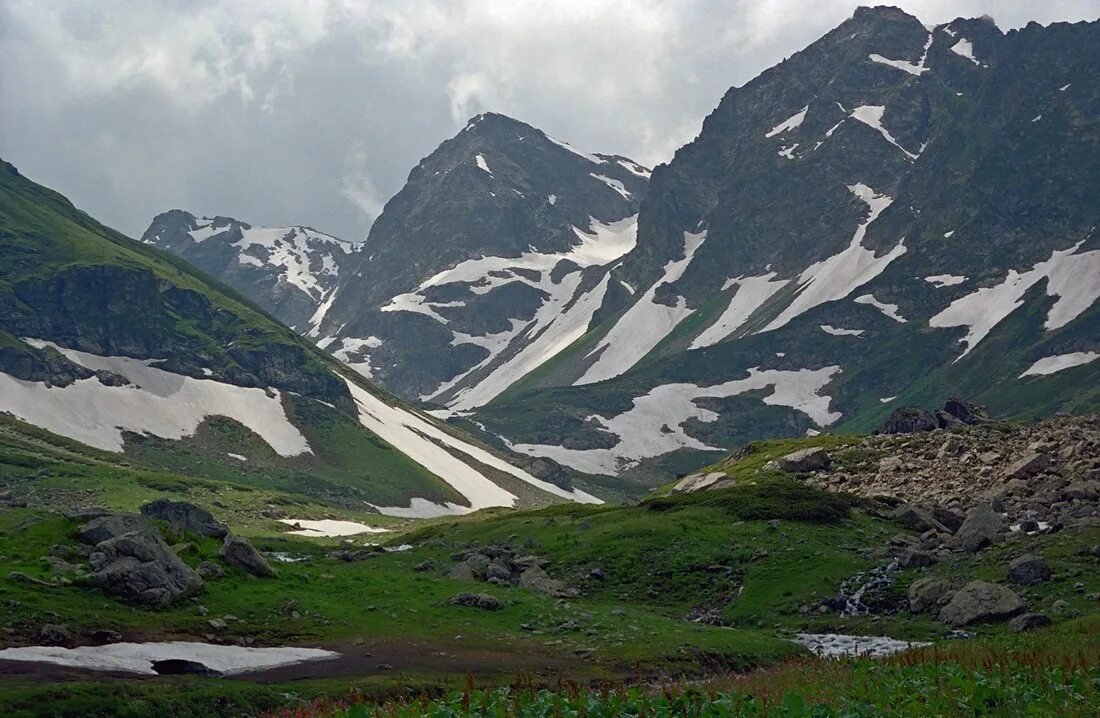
635 168
834 645
751 294
871 115
654 425
644 324
238 457
944 280
139 657
419 508
890 310
1073 278
329 527
788 152
829 329
789 124
156 402
423 442
963 48
838 276
916 69
613 184
552 199
1058 362
481 163
886 399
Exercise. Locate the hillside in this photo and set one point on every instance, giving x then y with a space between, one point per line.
126 348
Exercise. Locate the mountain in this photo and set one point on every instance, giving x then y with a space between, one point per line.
126 348
893 215
288 271
495 255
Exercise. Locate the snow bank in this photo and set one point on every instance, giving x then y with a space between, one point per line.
963 48
654 425
838 276
156 402
481 163
790 123
329 527
613 184
829 329
139 657
917 68
751 294
419 508
944 280
1073 278
434 449
1058 362
890 310
871 115
644 324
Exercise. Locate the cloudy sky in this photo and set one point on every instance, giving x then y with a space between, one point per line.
313 111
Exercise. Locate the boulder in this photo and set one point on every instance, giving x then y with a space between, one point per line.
537 580
951 520
1030 465
483 601
926 593
52 634
908 420
190 517
917 519
1028 570
1028 621
700 482
966 412
981 602
804 461
914 558
140 567
237 551
1083 490
182 667
946 420
979 529
109 526
210 569
461 572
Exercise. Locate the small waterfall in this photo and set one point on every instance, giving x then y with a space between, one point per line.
855 588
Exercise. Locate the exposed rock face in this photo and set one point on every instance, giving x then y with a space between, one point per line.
917 518
131 560
804 460
981 602
238 551
701 482
190 517
1028 569
1028 466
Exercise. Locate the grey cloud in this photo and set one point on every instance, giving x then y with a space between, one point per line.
313 112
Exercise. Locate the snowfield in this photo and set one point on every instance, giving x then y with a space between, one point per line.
434 449
654 426
1058 362
644 324
139 657
156 402
329 527
1073 278
838 276
751 294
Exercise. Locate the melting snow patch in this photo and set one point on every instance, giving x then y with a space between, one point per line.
645 324
562 143
419 508
238 457
751 294
1064 87
329 527
1073 278
788 152
944 280
965 49
1036 118
654 425
635 168
890 310
871 115
912 68
790 123
483 164
629 289
613 184
886 399
1058 362
838 276
155 402
139 657
829 329
424 443
835 645
552 199
948 235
